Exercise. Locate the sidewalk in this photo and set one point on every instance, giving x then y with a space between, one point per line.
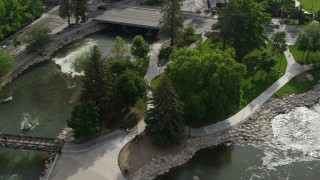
292 70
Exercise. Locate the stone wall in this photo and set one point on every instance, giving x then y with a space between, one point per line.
257 128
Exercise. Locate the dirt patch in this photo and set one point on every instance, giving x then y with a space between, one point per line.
133 156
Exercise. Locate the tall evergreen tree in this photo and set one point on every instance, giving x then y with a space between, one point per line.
171 22
65 9
80 9
164 121
98 82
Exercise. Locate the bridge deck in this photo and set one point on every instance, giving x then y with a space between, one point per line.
139 17
31 143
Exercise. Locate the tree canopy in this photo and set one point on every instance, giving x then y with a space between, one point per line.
164 123
14 13
98 82
241 24
309 39
171 22
7 62
36 37
139 48
129 87
209 85
85 120
119 47
65 9
80 9
278 42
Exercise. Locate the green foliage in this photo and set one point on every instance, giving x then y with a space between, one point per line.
266 62
36 37
129 87
119 47
130 121
118 66
13 13
98 82
16 42
164 123
188 36
241 24
6 64
171 23
80 9
309 39
278 42
165 53
85 120
65 9
139 48
209 84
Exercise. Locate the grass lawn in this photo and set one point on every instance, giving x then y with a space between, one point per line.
300 58
253 89
155 81
299 84
312 6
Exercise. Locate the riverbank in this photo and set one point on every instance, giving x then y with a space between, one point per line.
62 39
257 128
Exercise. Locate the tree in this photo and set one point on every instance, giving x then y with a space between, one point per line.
266 62
164 123
85 120
98 82
241 24
14 13
188 36
129 86
208 84
309 39
36 37
65 10
80 9
7 62
119 47
118 67
278 41
171 22
139 48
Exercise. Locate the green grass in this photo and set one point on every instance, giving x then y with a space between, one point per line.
299 84
205 47
253 89
302 58
312 6
155 81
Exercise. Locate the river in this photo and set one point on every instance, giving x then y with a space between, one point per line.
44 95
296 159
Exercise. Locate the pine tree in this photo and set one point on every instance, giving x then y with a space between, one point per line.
164 121
80 9
171 22
98 82
65 10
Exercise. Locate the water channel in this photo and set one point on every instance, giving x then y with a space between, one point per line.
296 159
43 96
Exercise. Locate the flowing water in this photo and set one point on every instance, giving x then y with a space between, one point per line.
297 158
44 96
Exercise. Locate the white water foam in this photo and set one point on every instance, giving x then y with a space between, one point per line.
67 63
26 118
299 129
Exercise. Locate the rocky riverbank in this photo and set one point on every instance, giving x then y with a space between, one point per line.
257 128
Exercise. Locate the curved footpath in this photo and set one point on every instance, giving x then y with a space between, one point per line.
102 162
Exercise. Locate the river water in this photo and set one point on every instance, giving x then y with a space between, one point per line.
296 159
44 95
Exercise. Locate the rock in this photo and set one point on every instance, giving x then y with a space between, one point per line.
195 178
26 126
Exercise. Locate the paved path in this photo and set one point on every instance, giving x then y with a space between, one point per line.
292 70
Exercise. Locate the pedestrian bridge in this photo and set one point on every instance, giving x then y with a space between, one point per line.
31 143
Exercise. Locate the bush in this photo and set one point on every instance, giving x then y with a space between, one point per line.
165 53
131 121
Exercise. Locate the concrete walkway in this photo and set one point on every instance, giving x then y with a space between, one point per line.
292 70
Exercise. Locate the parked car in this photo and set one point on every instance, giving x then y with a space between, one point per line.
274 24
103 6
